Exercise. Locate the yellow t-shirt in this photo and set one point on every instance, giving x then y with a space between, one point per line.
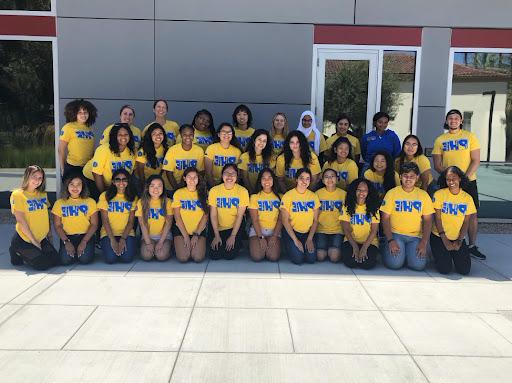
172 131
177 160
345 172
296 164
454 208
221 157
301 208
456 149
277 144
201 138
244 136
423 164
80 139
148 170
267 205
311 142
354 141
361 225
227 203
331 206
35 207
156 216
253 169
75 213
378 180
137 138
118 209
105 162
406 210
191 211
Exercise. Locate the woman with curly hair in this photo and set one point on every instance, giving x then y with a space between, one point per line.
76 141
257 157
296 155
204 130
360 221
381 173
190 205
150 156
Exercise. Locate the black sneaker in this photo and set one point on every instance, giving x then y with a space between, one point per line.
16 260
473 250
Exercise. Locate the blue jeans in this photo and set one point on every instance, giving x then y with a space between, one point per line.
296 256
407 254
85 258
328 241
111 257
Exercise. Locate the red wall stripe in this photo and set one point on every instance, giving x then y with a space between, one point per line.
482 38
27 25
359 35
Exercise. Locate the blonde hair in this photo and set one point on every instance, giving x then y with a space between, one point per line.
31 169
285 129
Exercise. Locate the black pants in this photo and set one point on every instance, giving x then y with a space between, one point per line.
39 259
221 252
445 260
350 261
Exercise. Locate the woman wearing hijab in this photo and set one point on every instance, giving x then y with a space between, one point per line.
307 125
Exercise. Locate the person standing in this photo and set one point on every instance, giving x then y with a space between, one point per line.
461 148
380 139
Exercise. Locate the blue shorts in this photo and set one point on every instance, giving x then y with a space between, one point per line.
328 241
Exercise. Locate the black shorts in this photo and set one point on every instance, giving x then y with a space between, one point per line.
472 190
177 233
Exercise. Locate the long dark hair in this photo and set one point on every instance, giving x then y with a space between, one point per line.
452 169
401 156
389 174
242 108
129 193
112 138
331 154
205 112
201 188
267 150
149 147
145 199
305 153
234 140
373 201
275 186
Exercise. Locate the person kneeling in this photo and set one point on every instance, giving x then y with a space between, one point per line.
155 218
406 214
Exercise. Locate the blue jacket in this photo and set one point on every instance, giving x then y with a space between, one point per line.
372 142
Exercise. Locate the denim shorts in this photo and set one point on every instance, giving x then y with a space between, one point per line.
328 241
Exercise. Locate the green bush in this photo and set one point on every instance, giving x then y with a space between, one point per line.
43 156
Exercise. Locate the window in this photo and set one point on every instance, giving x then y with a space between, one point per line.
26 5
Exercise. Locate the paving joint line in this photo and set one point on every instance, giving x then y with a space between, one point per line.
492 328
290 328
188 324
79 327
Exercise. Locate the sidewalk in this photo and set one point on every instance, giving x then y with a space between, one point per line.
239 321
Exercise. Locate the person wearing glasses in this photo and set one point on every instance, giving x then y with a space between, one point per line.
119 153
117 206
329 233
76 141
182 156
225 150
126 116
406 216
228 202
299 214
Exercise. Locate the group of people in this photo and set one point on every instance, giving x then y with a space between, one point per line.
186 189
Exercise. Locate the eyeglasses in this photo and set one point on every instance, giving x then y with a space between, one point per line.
230 174
226 132
117 179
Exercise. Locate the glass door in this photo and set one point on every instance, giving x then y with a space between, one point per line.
346 82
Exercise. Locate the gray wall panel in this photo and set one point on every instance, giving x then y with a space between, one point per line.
106 58
430 124
231 62
453 13
125 9
434 66
292 11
